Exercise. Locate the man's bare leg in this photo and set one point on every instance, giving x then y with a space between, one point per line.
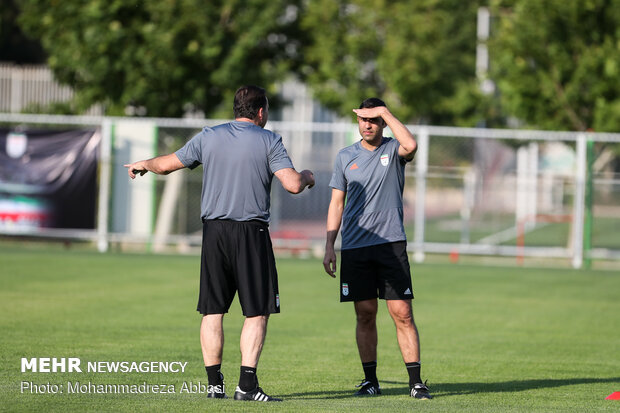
252 339
366 329
406 330
212 338
409 343
366 336
212 343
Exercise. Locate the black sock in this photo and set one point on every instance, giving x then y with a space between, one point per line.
247 378
370 370
414 373
214 375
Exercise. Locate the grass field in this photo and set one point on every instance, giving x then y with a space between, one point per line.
448 229
494 339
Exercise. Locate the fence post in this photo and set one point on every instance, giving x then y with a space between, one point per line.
104 185
17 79
587 227
420 184
579 201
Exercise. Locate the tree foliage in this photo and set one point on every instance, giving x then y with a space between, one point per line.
557 63
165 56
15 46
418 55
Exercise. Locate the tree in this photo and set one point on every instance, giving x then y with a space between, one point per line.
14 45
557 63
164 57
419 55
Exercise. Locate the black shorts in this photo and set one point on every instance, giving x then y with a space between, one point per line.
376 271
238 256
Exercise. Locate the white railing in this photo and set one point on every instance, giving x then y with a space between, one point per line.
425 196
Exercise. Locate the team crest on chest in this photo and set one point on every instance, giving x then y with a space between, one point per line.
385 159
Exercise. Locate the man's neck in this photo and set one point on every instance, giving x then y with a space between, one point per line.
372 145
254 121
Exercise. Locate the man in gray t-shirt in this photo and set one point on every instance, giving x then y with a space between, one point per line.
239 161
370 175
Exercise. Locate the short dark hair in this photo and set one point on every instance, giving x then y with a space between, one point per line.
372 103
248 100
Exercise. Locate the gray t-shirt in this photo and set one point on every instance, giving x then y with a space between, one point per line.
373 182
239 160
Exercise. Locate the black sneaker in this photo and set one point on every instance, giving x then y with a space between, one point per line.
256 395
368 388
420 391
216 391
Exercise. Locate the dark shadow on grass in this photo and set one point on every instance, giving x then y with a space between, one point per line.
334 394
452 389
348 393
457 389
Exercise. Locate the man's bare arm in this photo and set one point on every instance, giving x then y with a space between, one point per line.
161 165
293 181
334 218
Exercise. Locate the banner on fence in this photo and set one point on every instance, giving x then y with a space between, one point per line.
48 179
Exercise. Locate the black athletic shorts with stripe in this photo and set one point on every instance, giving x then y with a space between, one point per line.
376 271
238 256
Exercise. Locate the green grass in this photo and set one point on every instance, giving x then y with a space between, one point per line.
494 339
448 229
